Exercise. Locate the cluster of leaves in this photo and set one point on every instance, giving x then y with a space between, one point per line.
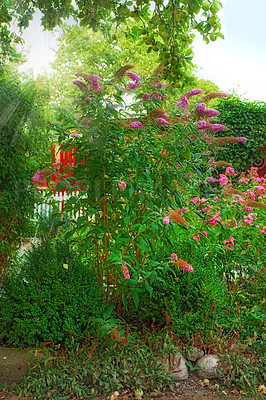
100 368
49 297
165 25
16 200
247 119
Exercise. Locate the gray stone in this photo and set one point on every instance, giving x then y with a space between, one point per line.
208 366
178 367
193 353
14 363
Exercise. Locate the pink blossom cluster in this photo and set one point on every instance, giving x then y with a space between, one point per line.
125 271
133 76
202 111
213 128
122 185
193 92
243 179
174 257
248 209
196 237
237 200
250 194
135 125
56 166
263 230
230 242
38 176
162 121
187 267
132 85
214 220
250 218
229 222
230 171
260 190
166 220
157 95
223 180
183 102
211 179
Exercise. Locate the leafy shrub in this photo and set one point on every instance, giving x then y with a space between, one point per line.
246 119
192 301
45 301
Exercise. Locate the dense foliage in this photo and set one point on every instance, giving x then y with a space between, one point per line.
165 25
243 118
16 199
50 298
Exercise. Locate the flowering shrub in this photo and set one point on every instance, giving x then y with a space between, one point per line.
143 213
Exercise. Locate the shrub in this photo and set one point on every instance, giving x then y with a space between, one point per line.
50 299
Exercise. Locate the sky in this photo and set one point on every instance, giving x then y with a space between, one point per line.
237 63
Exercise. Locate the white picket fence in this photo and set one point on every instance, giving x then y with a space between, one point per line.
53 203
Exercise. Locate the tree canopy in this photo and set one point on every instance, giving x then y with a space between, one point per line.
164 27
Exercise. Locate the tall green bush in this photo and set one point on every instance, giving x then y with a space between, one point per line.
247 119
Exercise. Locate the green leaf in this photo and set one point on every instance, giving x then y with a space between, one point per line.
149 288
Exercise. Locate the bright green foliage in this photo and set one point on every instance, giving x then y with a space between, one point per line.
16 200
246 119
124 226
165 25
50 299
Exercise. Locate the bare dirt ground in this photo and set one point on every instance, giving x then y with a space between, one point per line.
191 389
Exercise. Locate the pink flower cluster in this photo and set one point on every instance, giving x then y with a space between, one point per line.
213 128
196 237
38 176
187 267
132 85
122 185
125 271
250 218
135 125
231 242
202 111
193 92
223 179
263 230
162 121
213 220
166 220
133 76
173 257
230 171
157 95
56 166
243 179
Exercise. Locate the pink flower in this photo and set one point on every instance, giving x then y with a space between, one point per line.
250 218
196 200
197 238
211 161
223 179
187 267
263 230
38 176
247 209
229 171
218 127
77 135
243 180
183 102
211 179
159 85
173 257
95 85
135 125
132 85
204 233
56 166
146 96
241 139
125 271
122 185
231 241
192 92
162 121
216 198
250 194
133 76
166 220
213 220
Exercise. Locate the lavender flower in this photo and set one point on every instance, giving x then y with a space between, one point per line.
192 92
133 76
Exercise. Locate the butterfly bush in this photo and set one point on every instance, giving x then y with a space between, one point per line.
129 228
